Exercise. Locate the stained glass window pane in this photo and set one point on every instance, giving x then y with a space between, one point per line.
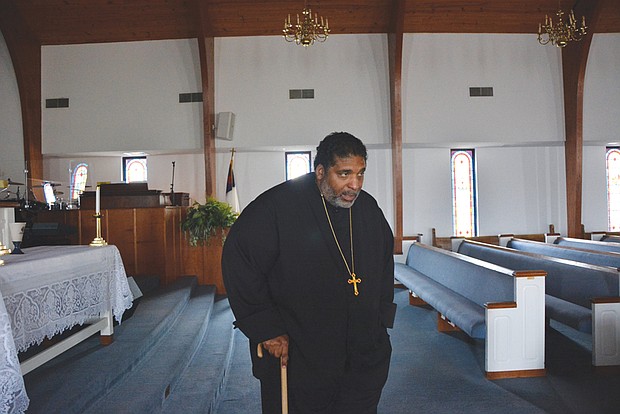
135 169
297 164
613 189
78 180
463 193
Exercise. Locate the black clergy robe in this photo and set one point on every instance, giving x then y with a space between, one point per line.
284 274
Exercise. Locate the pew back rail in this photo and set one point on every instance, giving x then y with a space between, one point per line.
486 301
594 257
588 244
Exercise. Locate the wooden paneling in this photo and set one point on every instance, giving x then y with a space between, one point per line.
119 229
88 227
172 243
149 240
150 246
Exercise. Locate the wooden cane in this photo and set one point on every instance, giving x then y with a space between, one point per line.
283 380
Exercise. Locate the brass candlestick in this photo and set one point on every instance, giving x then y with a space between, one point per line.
98 240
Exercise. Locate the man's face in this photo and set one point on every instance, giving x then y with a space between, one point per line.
342 182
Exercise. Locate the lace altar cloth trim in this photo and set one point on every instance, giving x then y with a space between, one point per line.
13 397
50 289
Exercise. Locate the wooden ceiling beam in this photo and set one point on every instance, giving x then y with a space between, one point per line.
56 22
25 51
395 58
574 62
206 48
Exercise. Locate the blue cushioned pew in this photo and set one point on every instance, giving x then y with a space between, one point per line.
486 301
583 296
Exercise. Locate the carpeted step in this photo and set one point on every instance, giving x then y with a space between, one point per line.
76 379
205 376
145 388
242 391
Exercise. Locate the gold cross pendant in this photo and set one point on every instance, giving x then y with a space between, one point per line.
354 281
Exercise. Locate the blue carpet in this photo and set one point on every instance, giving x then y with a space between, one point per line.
205 376
242 392
436 372
157 375
431 372
75 380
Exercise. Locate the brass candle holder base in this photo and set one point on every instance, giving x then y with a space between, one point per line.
4 250
98 241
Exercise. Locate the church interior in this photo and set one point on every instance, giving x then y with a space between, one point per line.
205 100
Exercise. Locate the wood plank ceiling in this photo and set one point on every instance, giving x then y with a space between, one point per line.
57 22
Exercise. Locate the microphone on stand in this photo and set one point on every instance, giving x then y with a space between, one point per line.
172 198
26 204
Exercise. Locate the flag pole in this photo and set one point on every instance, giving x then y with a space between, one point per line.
231 190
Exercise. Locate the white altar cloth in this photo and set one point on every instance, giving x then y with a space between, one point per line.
50 289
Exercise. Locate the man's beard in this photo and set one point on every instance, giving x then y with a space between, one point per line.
333 198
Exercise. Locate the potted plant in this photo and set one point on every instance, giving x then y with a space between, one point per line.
207 220
201 255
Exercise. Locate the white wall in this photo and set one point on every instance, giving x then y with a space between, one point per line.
124 97
601 90
438 69
348 74
601 125
11 130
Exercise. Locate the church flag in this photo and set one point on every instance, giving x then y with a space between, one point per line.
231 188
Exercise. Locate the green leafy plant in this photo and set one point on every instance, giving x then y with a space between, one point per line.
207 220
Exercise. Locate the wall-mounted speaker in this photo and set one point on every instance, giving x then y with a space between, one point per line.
225 125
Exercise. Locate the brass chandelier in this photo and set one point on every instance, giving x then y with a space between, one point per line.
562 32
307 30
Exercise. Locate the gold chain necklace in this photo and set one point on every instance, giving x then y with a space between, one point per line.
354 279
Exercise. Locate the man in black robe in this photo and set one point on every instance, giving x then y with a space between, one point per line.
309 271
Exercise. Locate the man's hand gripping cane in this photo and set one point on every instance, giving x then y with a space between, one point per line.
278 347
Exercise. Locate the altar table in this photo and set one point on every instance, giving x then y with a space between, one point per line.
48 290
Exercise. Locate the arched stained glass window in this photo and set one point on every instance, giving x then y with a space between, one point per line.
78 180
613 188
134 169
297 164
463 193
